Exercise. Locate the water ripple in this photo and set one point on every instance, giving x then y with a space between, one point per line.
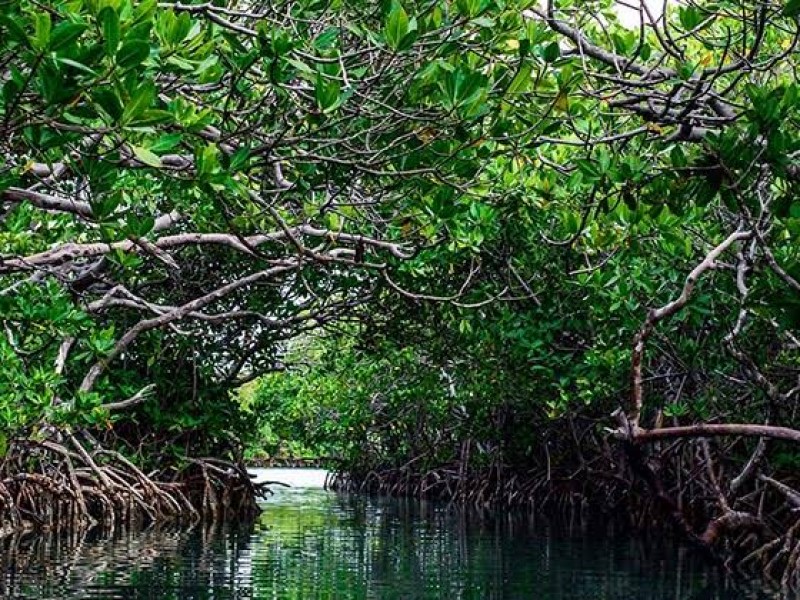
310 544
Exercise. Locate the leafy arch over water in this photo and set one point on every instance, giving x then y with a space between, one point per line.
527 216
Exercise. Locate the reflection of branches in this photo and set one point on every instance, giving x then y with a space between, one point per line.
35 566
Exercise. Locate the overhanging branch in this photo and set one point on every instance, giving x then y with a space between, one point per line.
717 430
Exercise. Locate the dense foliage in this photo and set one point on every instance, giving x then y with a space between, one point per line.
420 233
648 204
185 186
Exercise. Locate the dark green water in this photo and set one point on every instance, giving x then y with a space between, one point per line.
310 544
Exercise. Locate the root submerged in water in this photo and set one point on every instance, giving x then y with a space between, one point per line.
63 482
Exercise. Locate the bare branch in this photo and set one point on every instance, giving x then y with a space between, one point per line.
669 309
142 395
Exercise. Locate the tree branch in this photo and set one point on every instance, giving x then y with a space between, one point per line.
669 309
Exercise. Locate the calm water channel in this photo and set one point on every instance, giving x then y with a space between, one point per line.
312 544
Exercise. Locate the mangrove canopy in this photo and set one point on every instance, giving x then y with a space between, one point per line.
504 251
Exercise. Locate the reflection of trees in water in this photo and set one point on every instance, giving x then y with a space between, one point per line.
408 549
154 563
318 546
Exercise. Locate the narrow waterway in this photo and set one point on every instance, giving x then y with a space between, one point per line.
313 544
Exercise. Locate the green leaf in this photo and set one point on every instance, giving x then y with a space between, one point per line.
132 53
108 100
689 17
754 93
152 117
41 36
14 30
791 8
66 33
52 83
109 20
552 52
678 157
326 39
167 142
139 226
303 68
180 29
686 70
146 156
141 100
410 37
104 206
75 64
622 44
589 169
522 80
396 26
207 160
11 90
145 10
240 158
326 92
469 8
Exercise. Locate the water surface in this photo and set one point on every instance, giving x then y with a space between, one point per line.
313 544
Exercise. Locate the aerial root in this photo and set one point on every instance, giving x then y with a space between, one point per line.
64 483
479 489
685 487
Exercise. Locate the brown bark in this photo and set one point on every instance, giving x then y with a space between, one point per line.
717 430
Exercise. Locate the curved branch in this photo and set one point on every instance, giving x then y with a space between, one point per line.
657 314
165 319
48 202
717 430
72 251
143 394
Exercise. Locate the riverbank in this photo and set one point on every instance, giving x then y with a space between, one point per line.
67 482
756 536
